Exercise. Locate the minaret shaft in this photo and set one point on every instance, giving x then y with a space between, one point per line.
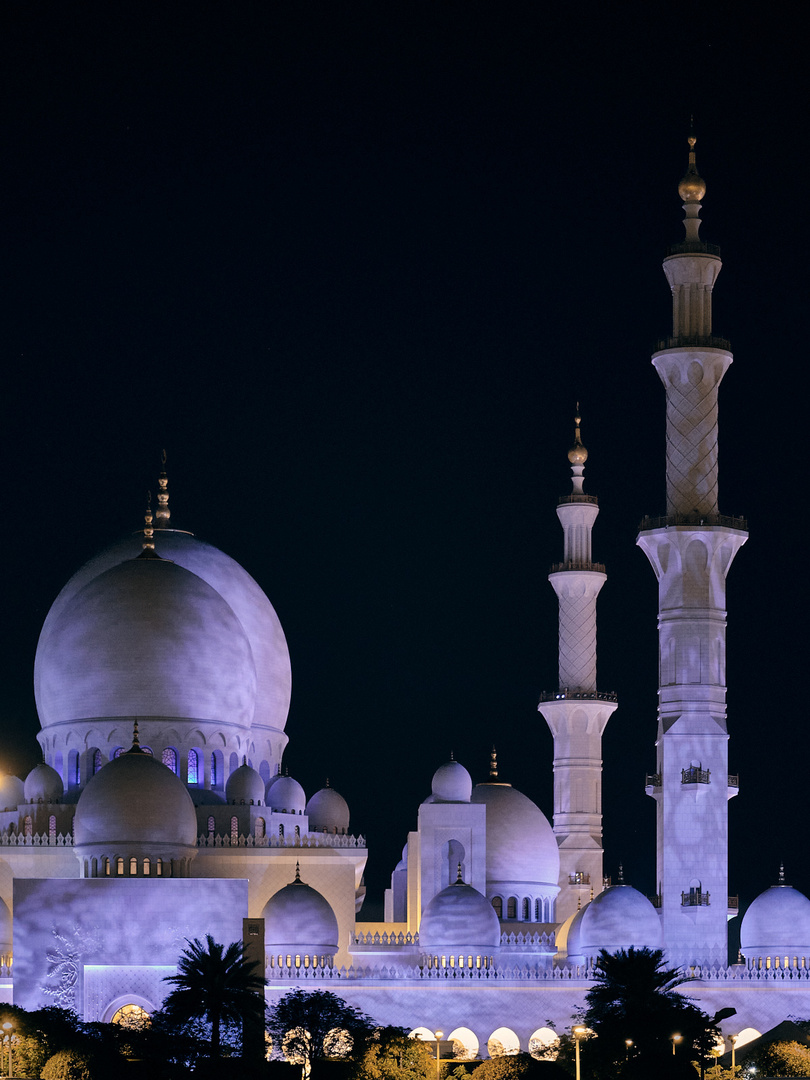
691 551
577 713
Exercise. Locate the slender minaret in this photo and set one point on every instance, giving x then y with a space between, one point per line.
577 713
691 550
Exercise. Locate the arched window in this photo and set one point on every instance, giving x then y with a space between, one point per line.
147 868
159 868
538 911
118 751
511 908
259 828
211 825
147 750
169 759
73 768
193 767
52 827
95 761
234 829
526 909
105 865
133 866
119 866
214 772
29 825
281 830
497 903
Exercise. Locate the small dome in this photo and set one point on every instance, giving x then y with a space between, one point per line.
619 918
43 784
459 917
521 846
145 638
777 923
245 785
328 811
298 917
12 792
451 783
287 796
692 188
136 802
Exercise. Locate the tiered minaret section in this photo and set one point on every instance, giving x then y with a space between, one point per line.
577 712
691 550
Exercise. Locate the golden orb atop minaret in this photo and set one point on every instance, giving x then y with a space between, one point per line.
692 187
577 455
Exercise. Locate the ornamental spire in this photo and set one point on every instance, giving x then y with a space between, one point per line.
493 764
163 513
692 189
577 455
148 527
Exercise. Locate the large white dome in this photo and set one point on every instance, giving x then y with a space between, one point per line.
459 917
777 923
619 918
146 638
521 847
253 610
299 918
134 805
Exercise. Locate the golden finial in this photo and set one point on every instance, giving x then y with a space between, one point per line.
620 880
692 187
579 902
493 764
577 455
459 876
136 744
591 892
163 513
148 529
297 871
781 873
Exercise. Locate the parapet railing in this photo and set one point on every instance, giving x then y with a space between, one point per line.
14 839
693 247
695 775
693 341
308 840
581 498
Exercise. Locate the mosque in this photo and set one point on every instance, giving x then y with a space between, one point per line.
161 810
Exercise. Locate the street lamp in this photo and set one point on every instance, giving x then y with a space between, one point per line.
8 1027
628 1043
578 1033
439 1037
674 1039
733 1040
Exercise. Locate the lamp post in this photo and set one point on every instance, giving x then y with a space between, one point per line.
733 1040
8 1027
439 1036
578 1032
628 1043
674 1039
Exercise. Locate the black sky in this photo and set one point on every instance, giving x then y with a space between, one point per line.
352 264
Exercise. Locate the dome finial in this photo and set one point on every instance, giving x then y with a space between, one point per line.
620 878
459 876
493 764
297 871
148 528
781 873
163 513
136 743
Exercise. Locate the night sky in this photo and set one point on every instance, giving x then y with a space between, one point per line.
352 265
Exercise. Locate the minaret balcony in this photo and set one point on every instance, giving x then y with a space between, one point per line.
567 694
724 521
733 780
577 564
692 341
695 898
693 247
579 878
577 497
652 783
695 775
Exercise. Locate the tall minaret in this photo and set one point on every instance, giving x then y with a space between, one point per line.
577 713
691 550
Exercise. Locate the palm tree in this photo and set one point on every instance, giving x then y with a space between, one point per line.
215 984
635 1008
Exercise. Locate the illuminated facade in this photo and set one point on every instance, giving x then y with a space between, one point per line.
162 681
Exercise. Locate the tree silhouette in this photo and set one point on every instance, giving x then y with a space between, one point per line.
217 984
634 1008
309 1026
